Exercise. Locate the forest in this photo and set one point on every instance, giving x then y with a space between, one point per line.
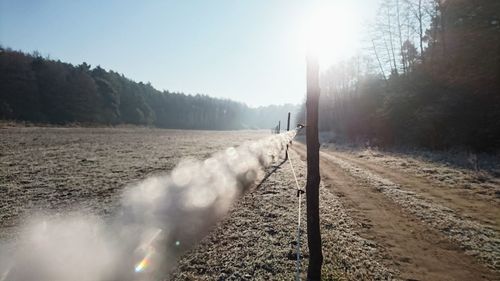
41 90
429 77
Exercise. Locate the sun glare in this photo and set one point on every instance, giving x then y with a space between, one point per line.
330 32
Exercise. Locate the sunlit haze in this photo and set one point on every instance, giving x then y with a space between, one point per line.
249 51
331 31
249 140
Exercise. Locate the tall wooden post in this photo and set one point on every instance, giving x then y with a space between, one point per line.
287 129
313 177
288 123
279 126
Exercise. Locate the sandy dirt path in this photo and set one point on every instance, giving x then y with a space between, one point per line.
466 203
406 226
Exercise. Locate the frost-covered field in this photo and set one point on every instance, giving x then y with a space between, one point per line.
85 169
384 216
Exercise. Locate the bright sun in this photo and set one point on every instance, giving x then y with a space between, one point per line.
331 33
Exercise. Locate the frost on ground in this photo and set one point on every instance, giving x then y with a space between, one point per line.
85 169
257 239
455 169
478 240
62 170
152 214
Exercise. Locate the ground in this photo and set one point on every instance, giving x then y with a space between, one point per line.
424 228
384 216
86 169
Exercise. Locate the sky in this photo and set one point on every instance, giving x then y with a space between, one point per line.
250 51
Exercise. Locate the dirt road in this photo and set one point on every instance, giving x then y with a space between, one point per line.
424 230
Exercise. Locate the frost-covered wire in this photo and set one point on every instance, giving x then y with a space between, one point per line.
299 195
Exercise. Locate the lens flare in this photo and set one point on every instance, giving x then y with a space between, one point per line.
148 244
144 263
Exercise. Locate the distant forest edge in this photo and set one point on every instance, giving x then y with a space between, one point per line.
430 78
41 90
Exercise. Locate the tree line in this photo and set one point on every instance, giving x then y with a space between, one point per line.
38 89
429 77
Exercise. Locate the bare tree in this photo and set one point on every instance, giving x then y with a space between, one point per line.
422 11
378 60
398 17
391 42
399 26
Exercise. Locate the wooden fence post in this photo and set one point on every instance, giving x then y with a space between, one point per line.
288 123
313 176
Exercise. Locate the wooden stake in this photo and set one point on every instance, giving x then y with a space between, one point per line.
288 123
313 176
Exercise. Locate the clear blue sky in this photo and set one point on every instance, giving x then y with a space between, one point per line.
249 51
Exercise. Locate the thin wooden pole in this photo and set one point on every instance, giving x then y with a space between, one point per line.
288 123
313 176
279 126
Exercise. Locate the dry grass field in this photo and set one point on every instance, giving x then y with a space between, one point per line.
384 216
85 169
